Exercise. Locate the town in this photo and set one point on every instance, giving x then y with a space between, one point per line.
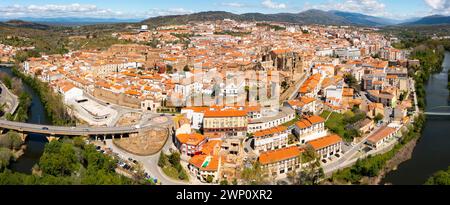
235 96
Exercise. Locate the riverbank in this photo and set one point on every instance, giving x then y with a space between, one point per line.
55 109
403 155
431 152
34 144
371 170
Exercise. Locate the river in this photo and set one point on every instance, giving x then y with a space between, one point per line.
432 152
35 143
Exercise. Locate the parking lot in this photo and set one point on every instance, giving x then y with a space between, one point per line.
126 166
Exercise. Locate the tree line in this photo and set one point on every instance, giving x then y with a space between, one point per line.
53 103
373 165
70 161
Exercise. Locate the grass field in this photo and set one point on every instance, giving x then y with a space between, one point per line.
336 124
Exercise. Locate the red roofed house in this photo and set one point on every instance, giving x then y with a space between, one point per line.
225 123
310 128
270 139
280 162
327 146
202 166
383 135
303 105
189 144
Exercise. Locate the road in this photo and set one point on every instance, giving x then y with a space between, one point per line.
121 110
80 131
287 95
149 163
341 162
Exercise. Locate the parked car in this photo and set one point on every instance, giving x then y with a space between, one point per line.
45 128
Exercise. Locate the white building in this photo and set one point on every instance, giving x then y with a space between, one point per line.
71 92
271 139
285 115
195 115
310 128
327 147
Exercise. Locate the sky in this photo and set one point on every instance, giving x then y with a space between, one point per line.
141 9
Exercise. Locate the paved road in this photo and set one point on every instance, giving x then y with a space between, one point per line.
79 131
149 163
347 156
298 85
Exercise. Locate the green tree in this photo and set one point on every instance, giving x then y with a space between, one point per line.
378 118
313 172
439 178
59 159
11 140
224 182
254 175
5 157
350 80
186 68
78 142
174 159
209 179
162 162
182 175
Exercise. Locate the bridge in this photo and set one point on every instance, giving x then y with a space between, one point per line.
431 111
67 131
52 132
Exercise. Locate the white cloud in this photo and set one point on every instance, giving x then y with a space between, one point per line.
369 7
81 10
233 4
439 6
165 12
54 10
273 5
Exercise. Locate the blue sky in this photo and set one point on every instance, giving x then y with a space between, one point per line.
398 9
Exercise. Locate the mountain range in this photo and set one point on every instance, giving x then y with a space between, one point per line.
305 17
74 21
313 16
431 20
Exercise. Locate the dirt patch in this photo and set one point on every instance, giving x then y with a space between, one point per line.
145 143
129 119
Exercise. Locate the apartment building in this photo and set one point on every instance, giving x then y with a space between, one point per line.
383 135
225 123
271 139
205 166
284 115
189 144
278 163
310 128
327 146
303 105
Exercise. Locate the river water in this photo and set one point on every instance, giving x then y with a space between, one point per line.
35 142
432 152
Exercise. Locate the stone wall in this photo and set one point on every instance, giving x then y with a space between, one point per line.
116 98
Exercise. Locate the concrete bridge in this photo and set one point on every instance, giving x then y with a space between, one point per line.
434 113
53 132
